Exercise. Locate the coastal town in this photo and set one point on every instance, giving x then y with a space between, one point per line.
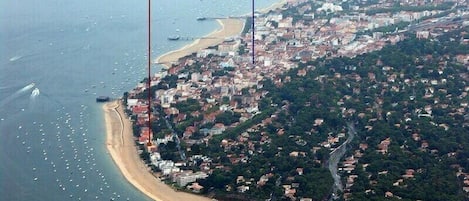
220 95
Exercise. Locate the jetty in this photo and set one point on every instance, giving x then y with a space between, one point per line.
217 18
186 38
103 99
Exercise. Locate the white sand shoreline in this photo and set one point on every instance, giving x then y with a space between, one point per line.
119 135
121 146
229 28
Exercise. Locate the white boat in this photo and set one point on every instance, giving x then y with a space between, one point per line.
35 92
175 37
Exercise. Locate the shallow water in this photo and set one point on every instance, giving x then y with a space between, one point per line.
56 57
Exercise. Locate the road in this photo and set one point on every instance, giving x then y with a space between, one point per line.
456 19
334 160
176 138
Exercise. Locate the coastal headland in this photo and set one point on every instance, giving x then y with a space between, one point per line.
121 146
229 27
229 75
120 141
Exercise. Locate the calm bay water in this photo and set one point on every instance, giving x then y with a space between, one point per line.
56 56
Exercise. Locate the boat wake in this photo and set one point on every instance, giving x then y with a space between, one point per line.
15 58
27 87
17 94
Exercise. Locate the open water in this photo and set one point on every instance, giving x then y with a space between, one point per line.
56 57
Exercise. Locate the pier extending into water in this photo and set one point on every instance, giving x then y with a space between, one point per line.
219 18
187 38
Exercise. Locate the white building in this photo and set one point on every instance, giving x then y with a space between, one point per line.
188 177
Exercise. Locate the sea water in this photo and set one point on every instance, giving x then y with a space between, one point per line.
56 57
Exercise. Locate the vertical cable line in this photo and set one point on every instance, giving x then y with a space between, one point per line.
149 75
252 33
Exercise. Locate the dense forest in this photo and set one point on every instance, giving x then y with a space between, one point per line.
408 102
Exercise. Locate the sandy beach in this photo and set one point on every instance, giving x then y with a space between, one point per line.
229 28
120 140
274 6
121 147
